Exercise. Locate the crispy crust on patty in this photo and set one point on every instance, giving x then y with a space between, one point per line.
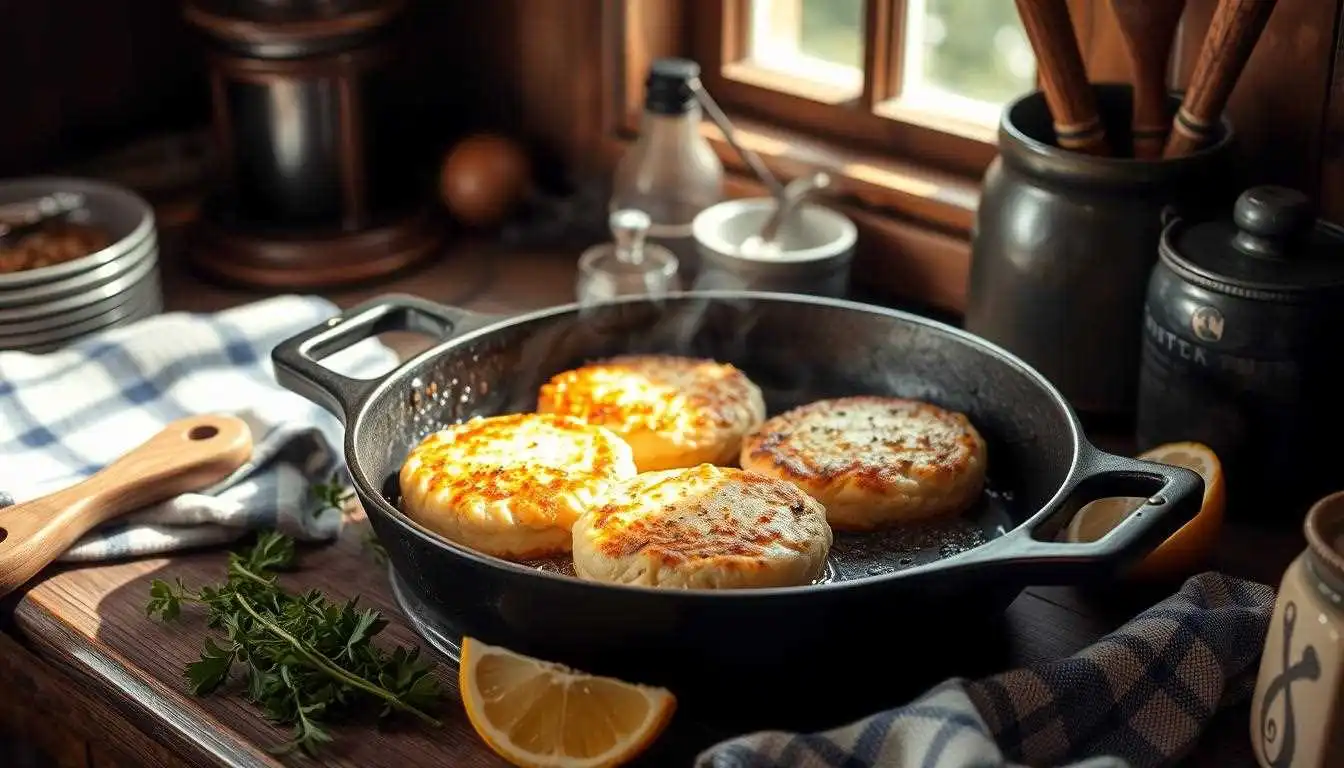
873 461
512 485
673 411
705 527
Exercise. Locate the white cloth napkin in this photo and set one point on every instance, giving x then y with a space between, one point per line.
66 414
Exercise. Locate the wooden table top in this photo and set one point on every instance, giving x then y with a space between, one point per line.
89 622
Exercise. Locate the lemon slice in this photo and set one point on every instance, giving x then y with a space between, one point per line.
1187 548
538 714
1098 518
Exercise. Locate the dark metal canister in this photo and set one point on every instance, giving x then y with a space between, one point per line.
1242 351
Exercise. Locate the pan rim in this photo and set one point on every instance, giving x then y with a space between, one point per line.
970 558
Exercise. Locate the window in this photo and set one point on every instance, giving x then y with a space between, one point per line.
950 60
922 78
900 99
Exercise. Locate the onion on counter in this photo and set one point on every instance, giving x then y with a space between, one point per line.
484 178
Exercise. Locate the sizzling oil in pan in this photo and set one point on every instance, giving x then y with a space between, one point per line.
852 555
860 555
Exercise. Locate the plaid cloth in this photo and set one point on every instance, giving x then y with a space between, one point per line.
1139 697
67 414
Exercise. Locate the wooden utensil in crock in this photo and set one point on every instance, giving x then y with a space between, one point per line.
1149 28
1232 35
1064 82
187 455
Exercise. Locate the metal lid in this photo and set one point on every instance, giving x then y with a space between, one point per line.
1272 248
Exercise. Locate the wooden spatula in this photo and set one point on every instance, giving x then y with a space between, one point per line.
1068 94
1233 33
188 455
1149 28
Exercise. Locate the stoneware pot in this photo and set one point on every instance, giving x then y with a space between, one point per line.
1063 243
1296 713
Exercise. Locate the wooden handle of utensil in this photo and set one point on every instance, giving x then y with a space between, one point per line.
1233 32
188 455
1069 95
1149 29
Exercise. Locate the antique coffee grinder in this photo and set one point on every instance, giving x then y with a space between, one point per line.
315 188
1241 345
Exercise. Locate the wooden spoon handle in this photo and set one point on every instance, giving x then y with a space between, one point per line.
1149 29
1233 32
1064 82
188 455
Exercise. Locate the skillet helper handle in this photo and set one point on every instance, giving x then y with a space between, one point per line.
187 455
298 360
1174 496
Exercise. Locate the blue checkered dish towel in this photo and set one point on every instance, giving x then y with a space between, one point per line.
1139 697
66 414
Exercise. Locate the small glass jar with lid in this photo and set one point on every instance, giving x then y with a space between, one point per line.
627 266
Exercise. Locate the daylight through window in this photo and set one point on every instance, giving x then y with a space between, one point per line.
945 62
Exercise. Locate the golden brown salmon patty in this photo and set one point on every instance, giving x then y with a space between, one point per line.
673 411
512 486
873 461
706 527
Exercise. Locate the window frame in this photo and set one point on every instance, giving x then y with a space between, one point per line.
913 190
869 123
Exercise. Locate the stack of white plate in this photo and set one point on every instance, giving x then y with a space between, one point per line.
47 308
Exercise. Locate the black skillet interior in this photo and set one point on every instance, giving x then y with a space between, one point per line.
796 353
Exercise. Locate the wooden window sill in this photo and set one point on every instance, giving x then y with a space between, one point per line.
940 200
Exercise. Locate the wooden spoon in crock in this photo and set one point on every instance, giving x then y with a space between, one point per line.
188 455
1068 94
1149 29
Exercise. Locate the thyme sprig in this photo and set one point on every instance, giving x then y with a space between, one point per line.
306 661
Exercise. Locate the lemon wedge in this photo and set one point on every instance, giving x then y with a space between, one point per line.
1098 518
538 714
1185 550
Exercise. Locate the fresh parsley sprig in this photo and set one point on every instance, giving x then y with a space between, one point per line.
306 661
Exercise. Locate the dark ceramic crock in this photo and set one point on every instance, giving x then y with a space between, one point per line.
1241 349
1063 243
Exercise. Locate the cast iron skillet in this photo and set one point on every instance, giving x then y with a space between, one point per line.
797 349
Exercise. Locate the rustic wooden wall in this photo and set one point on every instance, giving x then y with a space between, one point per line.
81 76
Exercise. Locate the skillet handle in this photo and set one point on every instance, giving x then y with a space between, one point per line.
1174 498
298 360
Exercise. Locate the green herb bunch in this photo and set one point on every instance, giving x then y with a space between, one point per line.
306 661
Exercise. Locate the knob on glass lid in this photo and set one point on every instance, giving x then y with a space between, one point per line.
628 266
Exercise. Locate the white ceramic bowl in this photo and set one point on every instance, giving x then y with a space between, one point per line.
816 249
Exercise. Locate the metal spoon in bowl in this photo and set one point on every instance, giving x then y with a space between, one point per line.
767 242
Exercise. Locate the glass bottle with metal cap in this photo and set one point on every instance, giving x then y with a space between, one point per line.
629 266
671 172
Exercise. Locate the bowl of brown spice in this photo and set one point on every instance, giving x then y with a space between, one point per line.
77 256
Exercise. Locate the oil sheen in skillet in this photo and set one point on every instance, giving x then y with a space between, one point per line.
854 556
864 555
